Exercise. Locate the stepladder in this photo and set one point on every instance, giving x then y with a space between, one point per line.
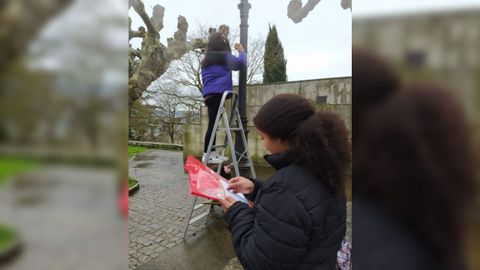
228 125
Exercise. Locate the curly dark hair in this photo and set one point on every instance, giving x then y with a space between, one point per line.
415 160
217 48
374 82
319 139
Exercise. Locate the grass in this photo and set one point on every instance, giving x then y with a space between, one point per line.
163 146
131 182
8 237
13 166
133 150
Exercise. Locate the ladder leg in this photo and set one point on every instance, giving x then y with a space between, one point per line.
221 110
224 116
231 120
245 143
190 217
214 132
232 147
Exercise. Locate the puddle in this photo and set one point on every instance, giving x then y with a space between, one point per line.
143 165
143 157
210 248
31 189
32 198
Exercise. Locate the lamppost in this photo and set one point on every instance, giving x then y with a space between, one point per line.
244 8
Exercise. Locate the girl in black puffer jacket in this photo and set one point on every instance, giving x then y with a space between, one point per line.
298 216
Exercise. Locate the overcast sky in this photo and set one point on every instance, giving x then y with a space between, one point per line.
317 47
371 7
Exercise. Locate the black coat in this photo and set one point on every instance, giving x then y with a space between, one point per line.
382 241
296 223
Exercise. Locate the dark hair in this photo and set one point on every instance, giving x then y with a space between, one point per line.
319 139
374 82
415 161
217 48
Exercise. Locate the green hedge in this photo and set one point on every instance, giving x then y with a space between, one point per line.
133 150
10 166
131 182
8 238
154 145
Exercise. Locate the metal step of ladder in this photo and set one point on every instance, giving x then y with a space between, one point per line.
230 124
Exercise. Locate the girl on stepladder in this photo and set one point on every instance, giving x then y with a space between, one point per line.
298 218
217 69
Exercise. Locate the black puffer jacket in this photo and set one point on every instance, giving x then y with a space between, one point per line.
296 223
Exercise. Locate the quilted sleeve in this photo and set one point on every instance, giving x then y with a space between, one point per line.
273 235
257 185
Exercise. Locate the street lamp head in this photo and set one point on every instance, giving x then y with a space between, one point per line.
244 6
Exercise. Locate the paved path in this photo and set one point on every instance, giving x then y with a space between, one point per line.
158 214
158 210
211 248
68 218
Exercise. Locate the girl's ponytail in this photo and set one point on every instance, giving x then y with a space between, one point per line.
321 143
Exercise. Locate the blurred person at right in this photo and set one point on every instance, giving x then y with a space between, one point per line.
414 182
416 135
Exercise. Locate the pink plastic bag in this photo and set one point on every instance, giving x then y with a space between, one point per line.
203 181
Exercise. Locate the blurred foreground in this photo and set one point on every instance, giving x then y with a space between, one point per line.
416 140
63 132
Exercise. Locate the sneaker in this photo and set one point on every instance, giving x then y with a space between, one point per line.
214 158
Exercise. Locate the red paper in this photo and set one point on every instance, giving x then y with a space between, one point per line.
203 181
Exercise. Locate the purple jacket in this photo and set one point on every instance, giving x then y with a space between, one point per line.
218 78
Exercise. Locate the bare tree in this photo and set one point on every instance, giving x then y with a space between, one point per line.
21 20
143 122
154 57
186 71
256 50
169 107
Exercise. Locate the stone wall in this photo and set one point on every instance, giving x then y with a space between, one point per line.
440 46
327 94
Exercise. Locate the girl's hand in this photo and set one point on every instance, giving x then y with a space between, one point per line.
240 185
227 168
227 202
238 47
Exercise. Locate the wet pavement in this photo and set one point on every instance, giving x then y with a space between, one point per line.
210 248
158 214
158 211
67 218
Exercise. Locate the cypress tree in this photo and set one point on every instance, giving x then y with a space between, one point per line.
275 65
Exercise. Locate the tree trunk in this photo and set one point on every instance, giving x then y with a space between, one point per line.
21 20
154 56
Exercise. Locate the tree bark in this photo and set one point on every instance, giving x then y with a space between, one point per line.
154 56
21 20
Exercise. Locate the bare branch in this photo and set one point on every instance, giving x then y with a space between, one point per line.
140 33
177 45
139 7
296 12
157 17
255 59
155 57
